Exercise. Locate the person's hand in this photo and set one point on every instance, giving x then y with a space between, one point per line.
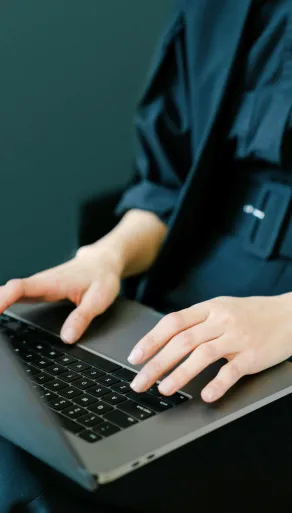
91 280
252 334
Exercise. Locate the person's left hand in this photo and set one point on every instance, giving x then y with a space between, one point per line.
252 334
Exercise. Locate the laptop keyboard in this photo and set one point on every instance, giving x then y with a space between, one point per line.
90 394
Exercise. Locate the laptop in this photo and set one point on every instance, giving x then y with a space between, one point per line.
72 406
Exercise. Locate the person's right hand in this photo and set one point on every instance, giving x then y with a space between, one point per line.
91 280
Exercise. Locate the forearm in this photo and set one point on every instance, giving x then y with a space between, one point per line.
137 239
134 243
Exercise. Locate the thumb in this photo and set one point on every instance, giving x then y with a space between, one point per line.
94 302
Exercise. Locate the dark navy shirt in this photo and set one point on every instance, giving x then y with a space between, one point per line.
164 152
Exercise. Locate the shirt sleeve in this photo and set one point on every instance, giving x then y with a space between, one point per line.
262 121
162 156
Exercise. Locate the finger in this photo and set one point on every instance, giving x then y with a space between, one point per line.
228 375
203 356
47 286
180 346
93 303
165 330
43 285
11 293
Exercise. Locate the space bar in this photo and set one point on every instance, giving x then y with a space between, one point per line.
69 424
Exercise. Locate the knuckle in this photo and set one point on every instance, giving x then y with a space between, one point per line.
226 316
245 337
173 321
16 284
55 282
234 371
155 367
208 351
83 250
223 299
186 340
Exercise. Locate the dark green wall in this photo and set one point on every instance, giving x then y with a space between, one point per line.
70 75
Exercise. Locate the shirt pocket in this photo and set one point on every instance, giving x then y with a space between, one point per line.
261 123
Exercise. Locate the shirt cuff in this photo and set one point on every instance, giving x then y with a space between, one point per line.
150 197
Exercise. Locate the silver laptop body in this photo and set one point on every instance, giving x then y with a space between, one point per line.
26 420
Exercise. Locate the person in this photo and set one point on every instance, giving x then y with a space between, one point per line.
203 233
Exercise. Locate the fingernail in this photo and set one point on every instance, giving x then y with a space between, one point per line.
135 356
208 395
139 384
69 335
167 387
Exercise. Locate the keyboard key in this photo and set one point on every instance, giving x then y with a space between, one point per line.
53 340
150 401
94 360
125 374
21 344
106 429
34 337
122 388
74 412
89 436
154 390
84 383
56 385
39 346
84 400
69 424
70 392
98 391
31 371
59 404
136 410
175 399
28 356
70 376
78 366
108 380
121 419
90 420
48 395
37 387
43 377
55 370
93 373
100 408
114 398
51 353
42 363
65 360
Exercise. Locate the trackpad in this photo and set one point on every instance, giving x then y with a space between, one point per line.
112 334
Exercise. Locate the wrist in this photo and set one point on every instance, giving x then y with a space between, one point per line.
132 246
107 250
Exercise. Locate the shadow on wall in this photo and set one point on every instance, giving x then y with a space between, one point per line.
70 75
